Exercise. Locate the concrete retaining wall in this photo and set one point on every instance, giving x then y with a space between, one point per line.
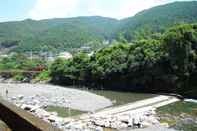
4 126
20 120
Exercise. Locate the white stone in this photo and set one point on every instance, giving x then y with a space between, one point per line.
20 97
42 113
136 120
116 125
130 122
164 124
146 124
13 98
123 125
107 124
34 108
68 120
36 102
26 107
100 123
99 129
54 113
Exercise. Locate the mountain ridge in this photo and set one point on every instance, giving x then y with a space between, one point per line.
61 34
160 17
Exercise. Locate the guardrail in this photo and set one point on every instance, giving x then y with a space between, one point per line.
19 120
18 71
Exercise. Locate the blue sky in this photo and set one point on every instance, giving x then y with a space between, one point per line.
43 9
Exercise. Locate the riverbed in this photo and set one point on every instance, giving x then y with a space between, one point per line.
60 97
56 96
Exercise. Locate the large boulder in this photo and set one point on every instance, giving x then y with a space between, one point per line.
20 97
42 113
55 119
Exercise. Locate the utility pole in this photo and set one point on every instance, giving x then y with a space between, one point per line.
31 55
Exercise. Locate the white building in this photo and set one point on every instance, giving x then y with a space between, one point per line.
65 55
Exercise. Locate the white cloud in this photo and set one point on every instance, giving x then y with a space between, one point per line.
52 9
118 8
110 8
131 7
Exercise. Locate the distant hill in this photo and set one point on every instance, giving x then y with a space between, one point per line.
72 33
157 19
57 34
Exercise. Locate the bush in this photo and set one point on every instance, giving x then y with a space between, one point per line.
19 77
43 76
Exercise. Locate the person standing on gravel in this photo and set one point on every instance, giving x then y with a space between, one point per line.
6 92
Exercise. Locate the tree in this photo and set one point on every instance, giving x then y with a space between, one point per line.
57 70
180 43
79 65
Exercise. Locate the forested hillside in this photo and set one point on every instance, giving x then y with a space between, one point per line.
157 19
57 34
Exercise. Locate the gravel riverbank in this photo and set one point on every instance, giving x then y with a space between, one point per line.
35 97
56 96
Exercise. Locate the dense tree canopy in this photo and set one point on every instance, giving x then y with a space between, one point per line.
180 43
164 64
19 62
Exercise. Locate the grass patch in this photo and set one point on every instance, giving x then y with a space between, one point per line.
176 113
63 112
171 122
179 108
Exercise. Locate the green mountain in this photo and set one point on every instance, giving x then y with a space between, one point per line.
158 19
57 34
73 33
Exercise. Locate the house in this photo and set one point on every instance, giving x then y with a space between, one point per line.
65 55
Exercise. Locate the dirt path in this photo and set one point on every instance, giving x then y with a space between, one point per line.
139 106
